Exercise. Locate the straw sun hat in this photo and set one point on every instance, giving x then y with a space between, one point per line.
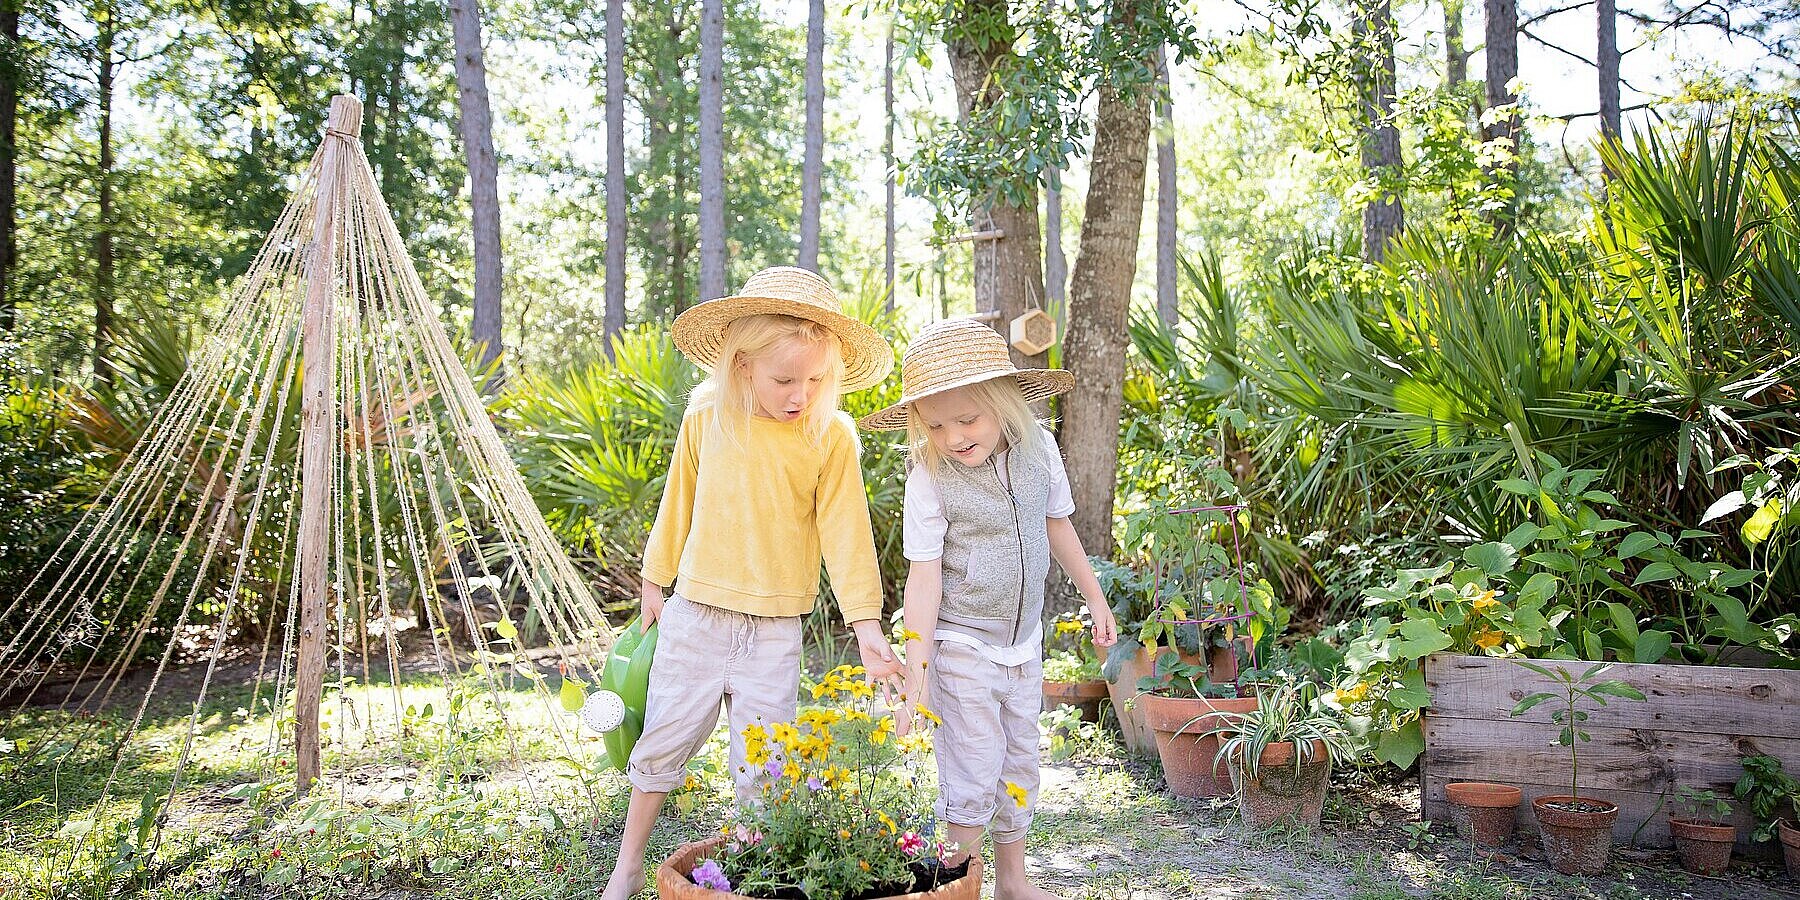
787 291
956 353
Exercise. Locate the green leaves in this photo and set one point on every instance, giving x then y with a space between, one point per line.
573 695
1493 559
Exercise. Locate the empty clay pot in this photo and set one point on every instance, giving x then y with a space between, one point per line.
1484 813
1576 832
1705 847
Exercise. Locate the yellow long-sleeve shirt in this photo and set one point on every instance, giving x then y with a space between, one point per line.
744 527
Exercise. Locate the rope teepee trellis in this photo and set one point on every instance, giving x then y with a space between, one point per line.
324 470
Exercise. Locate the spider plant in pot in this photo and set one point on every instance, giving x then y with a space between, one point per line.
1576 831
1280 754
1702 837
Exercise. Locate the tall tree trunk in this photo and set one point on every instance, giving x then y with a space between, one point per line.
1456 56
615 171
813 166
1056 263
484 178
1100 294
888 163
1606 32
1165 192
105 34
712 149
1009 272
10 81
1502 67
1383 217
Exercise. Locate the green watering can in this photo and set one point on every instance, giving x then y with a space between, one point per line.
616 711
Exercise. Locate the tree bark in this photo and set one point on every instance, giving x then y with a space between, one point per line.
10 83
1606 57
712 150
1166 308
1009 272
888 162
104 37
1502 67
813 166
484 180
1456 56
1056 264
615 172
1100 295
1383 216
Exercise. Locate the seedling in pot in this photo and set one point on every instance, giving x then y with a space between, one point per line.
1701 805
1572 690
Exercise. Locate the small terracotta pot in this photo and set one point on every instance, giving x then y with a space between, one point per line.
1705 847
1083 695
1280 792
1484 813
673 883
1189 755
1577 842
1790 846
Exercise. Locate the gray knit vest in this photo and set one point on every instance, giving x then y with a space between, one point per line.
996 548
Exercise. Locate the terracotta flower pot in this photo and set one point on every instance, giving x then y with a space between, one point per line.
1705 847
673 883
1280 792
1133 729
1484 813
1576 832
1190 755
1083 695
1790 846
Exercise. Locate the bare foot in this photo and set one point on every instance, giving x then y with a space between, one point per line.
1025 891
623 884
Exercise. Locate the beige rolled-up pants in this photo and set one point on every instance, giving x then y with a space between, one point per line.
704 655
989 738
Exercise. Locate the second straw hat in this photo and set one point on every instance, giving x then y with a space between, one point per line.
957 353
788 291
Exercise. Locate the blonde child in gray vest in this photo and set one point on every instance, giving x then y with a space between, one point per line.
987 507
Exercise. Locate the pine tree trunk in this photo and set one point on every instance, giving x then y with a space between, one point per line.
1056 263
813 166
103 234
1100 297
1383 217
1456 57
484 180
1502 67
1606 31
1166 308
1009 273
888 162
615 172
712 150
9 172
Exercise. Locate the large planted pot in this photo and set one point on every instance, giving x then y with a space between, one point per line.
1576 832
1484 813
1134 728
1082 695
1180 726
1790 846
1704 847
1282 793
673 881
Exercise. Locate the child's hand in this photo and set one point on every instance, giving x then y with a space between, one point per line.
1106 628
879 661
652 602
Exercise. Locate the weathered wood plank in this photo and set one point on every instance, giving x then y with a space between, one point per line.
1747 702
1635 807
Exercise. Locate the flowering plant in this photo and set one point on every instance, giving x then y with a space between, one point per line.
1069 655
842 811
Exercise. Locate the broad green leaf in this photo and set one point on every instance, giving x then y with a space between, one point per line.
1724 506
573 695
1656 571
1401 746
1517 486
1616 689
1652 646
1494 557
1522 536
1635 543
1412 692
1763 522
1526 704
1624 620
1538 589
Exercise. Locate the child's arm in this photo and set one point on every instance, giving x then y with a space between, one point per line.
847 542
1065 547
924 593
668 537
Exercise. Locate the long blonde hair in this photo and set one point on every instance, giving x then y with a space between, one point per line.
728 391
997 397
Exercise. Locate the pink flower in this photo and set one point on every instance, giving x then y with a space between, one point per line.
747 836
709 875
912 844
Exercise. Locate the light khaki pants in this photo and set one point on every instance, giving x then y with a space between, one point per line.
704 655
989 738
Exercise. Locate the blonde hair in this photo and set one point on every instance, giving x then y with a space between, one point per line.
997 397
729 393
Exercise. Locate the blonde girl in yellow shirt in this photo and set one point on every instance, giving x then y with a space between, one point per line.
764 483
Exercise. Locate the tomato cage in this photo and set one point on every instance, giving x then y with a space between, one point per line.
1196 583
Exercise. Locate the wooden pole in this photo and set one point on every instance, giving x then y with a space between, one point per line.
318 433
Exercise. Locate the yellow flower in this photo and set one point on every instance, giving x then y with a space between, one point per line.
890 824
864 863
882 729
928 714
1353 695
855 715
1488 639
843 834
1068 626
786 735
691 783
916 742
792 771
1484 602
1017 793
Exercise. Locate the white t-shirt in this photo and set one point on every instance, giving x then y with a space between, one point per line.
923 528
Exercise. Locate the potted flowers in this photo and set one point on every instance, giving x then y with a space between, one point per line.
1576 830
1280 755
1702 837
842 814
1186 712
1072 672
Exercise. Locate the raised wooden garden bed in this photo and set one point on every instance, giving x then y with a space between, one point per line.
1693 727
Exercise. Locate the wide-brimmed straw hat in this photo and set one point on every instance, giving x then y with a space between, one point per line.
788 291
957 353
